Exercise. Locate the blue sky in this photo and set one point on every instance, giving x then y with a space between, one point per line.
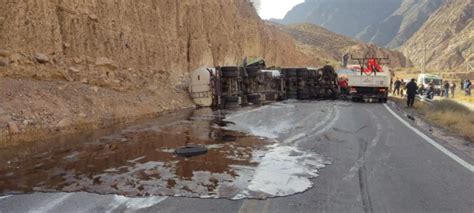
276 8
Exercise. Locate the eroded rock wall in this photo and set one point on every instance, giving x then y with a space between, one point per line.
128 44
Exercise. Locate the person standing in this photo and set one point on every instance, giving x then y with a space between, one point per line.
446 89
431 90
397 85
411 93
452 86
403 86
468 87
344 85
462 84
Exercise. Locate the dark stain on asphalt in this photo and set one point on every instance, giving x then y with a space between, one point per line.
136 161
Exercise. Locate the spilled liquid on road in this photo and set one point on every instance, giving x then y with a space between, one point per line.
139 161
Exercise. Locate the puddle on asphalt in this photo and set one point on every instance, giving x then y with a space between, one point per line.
139 161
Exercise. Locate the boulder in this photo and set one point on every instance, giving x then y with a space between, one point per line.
64 123
15 58
78 60
13 128
3 63
106 62
93 17
74 69
4 53
41 58
95 89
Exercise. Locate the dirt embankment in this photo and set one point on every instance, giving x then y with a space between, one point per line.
69 62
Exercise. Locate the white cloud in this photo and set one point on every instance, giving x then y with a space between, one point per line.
276 8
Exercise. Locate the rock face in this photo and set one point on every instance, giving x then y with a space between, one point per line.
447 36
394 30
101 62
386 23
446 25
326 45
159 40
349 18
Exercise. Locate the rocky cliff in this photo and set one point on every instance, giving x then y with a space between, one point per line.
386 23
127 44
401 24
64 62
447 36
329 46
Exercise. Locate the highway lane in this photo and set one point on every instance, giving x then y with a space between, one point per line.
377 165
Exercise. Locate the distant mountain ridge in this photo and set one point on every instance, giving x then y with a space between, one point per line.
386 23
398 24
325 45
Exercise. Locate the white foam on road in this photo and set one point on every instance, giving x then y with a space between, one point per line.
133 204
462 162
52 204
283 169
5 197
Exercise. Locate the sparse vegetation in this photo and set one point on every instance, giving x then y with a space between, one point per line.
448 114
453 116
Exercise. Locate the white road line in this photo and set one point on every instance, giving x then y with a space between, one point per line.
467 165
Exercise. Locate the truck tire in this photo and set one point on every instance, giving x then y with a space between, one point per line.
292 95
230 72
228 99
190 150
302 73
302 95
355 99
253 98
252 72
291 73
331 94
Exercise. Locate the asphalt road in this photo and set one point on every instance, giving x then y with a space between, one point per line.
378 165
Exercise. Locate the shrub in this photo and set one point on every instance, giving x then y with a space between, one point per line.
449 105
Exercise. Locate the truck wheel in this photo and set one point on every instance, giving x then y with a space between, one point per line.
291 73
355 99
253 98
302 95
331 94
190 150
230 72
292 95
385 100
252 72
231 99
302 73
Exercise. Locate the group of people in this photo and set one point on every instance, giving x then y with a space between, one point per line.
448 88
399 86
466 85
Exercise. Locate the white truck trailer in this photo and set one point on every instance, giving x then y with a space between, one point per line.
369 81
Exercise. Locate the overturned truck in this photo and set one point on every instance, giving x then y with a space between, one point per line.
255 84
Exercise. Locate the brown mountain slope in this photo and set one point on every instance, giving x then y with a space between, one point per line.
65 62
328 46
447 36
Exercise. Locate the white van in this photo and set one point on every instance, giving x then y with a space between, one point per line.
426 79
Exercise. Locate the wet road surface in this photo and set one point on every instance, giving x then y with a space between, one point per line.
373 164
